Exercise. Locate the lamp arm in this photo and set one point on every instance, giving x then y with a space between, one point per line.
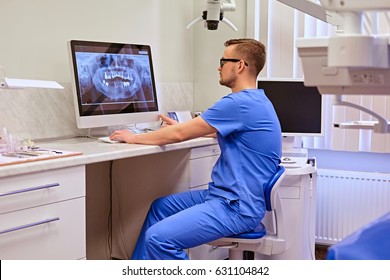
383 124
198 19
229 23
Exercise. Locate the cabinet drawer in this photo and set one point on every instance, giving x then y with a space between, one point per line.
54 231
205 151
205 252
200 170
290 187
29 190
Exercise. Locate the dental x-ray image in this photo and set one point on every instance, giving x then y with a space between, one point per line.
107 78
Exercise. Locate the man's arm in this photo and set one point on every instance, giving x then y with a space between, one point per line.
194 128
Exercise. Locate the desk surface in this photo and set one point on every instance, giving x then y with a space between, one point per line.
94 151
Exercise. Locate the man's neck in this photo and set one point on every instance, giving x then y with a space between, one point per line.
243 86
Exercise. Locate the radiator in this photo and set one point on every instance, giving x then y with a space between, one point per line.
347 200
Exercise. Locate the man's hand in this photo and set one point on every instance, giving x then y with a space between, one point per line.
123 135
167 121
172 132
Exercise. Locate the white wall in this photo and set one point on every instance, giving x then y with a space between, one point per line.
33 45
208 49
34 34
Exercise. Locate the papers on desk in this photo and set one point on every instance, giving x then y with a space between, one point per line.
33 155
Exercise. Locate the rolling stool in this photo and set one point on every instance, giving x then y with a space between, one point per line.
268 241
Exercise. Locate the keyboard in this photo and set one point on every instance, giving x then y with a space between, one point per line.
294 154
294 158
106 139
293 162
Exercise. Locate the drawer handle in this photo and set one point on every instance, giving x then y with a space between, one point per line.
29 225
30 189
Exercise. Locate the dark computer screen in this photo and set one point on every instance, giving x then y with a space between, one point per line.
299 108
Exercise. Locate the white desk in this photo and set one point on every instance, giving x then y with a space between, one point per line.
94 151
98 208
73 219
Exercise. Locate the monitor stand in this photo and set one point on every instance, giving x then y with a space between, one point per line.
96 132
288 143
290 150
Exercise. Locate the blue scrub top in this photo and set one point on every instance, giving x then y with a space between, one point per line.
250 139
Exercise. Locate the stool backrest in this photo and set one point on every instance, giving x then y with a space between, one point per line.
272 186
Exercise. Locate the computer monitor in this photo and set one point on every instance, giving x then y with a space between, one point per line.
113 84
299 108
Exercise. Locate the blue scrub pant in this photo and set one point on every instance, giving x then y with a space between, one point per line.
184 220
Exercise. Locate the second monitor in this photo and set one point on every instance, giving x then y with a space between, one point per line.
299 108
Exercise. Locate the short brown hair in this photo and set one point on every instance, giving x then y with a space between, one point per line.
250 50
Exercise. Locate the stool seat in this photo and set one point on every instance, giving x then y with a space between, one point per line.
258 232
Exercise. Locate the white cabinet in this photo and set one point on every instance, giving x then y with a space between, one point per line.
42 215
201 164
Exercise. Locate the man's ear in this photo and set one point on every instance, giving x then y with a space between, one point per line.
241 66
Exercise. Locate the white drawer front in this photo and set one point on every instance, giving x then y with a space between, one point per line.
290 187
200 170
205 151
26 235
205 252
20 192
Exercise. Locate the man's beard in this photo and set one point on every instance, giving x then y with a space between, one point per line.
229 82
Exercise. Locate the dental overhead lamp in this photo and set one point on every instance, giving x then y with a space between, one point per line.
214 13
349 62
9 83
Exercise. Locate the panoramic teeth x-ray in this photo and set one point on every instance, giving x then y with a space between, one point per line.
117 76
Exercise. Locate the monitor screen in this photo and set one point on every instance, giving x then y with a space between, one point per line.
113 83
299 108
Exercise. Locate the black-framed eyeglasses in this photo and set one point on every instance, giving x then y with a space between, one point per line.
222 61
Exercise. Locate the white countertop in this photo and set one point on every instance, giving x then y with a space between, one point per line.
94 151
